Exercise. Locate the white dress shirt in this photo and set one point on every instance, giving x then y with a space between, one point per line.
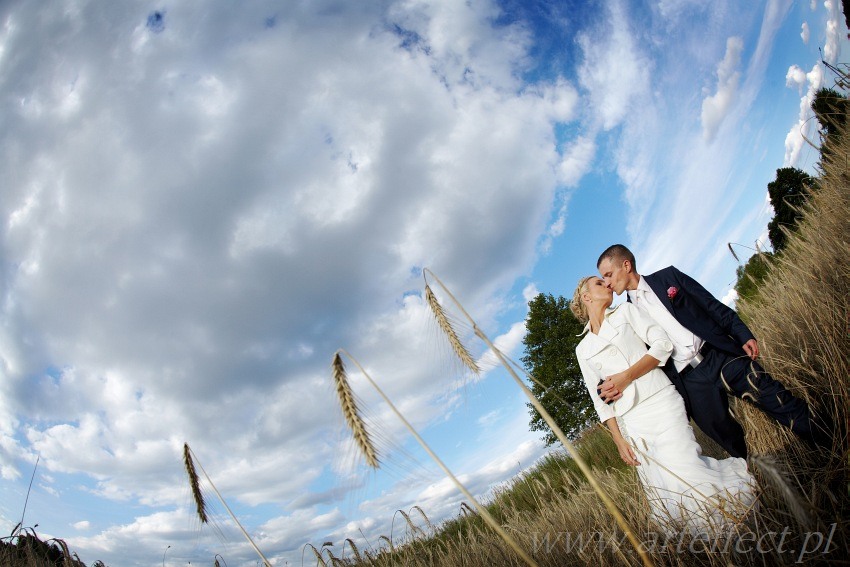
685 343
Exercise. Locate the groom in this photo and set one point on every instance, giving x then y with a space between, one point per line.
713 352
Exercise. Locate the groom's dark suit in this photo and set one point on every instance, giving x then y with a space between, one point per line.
726 367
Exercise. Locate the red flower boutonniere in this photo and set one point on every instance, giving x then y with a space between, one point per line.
671 292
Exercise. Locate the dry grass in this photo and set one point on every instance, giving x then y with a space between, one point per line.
26 549
802 319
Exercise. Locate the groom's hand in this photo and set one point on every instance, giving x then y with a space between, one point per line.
612 388
751 347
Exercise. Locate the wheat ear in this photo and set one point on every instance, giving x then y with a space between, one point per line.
352 413
194 483
582 465
190 458
457 345
485 515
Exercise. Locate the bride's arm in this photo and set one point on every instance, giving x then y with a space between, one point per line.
625 450
660 348
618 382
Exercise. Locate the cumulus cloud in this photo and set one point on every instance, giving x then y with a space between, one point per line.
833 32
795 78
804 33
199 211
716 107
805 128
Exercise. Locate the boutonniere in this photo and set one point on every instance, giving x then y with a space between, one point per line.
671 292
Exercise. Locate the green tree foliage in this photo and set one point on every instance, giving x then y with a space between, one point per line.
752 274
788 192
550 358
830 110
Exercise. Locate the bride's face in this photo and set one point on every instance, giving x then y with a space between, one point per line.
598 291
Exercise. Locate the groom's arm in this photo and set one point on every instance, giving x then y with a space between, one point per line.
723 315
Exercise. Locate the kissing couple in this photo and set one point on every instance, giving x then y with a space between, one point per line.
672 352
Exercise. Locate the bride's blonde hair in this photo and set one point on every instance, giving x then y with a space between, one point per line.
577 306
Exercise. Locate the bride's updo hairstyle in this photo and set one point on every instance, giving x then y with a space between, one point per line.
577 306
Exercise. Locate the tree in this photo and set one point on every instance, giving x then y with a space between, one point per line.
550 358
751 275
788 193
830 110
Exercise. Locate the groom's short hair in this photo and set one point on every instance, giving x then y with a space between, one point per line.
617 252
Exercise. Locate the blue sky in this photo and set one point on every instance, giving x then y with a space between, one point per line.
201 204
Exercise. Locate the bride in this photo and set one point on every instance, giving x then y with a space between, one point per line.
684 489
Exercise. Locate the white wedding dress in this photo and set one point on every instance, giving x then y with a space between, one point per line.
686 490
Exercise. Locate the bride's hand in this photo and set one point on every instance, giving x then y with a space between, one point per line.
627 453
612 388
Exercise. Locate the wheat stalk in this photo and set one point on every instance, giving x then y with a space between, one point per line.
799 508
189 458
457 345
200 503
485 515
354 549
582 465
352 413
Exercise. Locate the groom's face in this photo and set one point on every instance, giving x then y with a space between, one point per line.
615 273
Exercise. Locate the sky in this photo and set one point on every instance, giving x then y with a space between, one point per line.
201 202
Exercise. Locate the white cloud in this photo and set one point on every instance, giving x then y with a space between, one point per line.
577 161
730 298
506 344
673 9
795 78
198 216
804 33
716 107
529 292
489 419
806 128
834 27
615 72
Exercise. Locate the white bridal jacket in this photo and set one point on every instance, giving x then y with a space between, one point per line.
622 341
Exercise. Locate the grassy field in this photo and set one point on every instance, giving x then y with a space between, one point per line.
801 316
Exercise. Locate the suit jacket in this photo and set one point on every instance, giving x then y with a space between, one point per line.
621 342
699 311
